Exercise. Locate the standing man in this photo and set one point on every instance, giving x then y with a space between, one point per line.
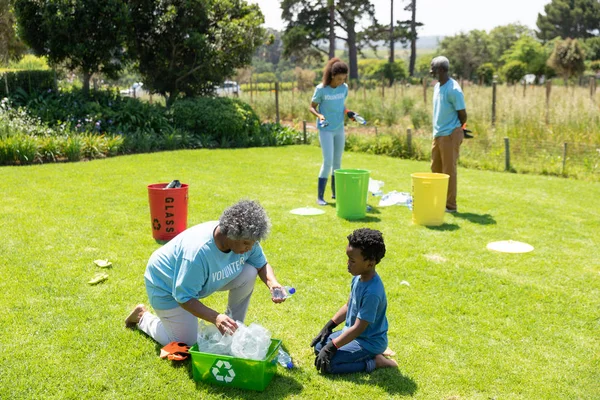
449 116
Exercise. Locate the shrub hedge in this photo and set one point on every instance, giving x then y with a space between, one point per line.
29 81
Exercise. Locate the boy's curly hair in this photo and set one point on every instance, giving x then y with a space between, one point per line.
370 243
245 220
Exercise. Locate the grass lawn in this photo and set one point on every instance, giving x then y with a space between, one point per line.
473 324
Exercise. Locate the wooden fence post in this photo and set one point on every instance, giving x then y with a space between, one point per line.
277 102
506 154
382 87
6 83
409 142
564 160
494 83
304 131
548 90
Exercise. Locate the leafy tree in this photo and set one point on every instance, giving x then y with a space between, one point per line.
530 52
466 51
514 70
11 48
271 50
87 35
592 48
501 38
595 65
189 46
567 58
308 27
486 73
569 18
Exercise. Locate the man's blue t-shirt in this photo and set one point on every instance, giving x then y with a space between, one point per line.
368 302
190 266
331 104
447 100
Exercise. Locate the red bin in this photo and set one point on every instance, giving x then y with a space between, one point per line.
168 210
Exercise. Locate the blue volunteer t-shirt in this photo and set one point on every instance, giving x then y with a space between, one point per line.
331 103
368 302
190 266
447 100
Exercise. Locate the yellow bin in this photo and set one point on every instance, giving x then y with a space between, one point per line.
429 192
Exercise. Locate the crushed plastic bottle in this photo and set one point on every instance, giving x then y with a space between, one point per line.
173 184
360 119
323 124
280 294
284 359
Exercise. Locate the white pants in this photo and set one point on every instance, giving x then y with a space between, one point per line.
178 325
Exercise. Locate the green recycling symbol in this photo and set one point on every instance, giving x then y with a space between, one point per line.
223 371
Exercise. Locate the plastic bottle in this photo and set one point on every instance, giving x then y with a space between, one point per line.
284 359
279 294
323 124
360 119
173 184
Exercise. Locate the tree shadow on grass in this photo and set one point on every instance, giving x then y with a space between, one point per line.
389 379
481 219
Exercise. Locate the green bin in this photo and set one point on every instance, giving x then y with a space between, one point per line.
351 187
235 372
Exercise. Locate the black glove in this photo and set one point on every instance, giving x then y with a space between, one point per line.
350 114
324 334
323 360
467 134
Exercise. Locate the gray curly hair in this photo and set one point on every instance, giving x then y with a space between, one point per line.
245 220
441 62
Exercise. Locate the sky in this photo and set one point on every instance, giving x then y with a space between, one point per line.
440 17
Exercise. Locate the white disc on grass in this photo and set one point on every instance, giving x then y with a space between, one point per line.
510 246
307 211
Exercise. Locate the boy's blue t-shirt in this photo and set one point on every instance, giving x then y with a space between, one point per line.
447 100
190 266
368 302
332 103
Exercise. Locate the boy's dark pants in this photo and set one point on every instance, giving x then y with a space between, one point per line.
349 358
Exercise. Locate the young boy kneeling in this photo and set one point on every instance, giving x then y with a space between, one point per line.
359 346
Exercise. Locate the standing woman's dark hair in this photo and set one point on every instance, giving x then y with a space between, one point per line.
334 66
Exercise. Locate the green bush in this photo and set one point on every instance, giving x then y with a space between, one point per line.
226 121
514 71
29 81
486 73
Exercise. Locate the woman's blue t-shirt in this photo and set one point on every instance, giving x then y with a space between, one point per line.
190 266
332 102
368 302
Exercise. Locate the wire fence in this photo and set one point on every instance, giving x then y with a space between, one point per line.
529 129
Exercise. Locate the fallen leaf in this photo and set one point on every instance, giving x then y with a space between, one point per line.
103 263
99 277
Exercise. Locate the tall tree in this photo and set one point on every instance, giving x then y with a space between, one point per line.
412 7
567 58
501 38
11 47
308 25
569 18
466 52
189 46
87 35
530 52
331 5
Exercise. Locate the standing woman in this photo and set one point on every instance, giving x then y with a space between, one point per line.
329 98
